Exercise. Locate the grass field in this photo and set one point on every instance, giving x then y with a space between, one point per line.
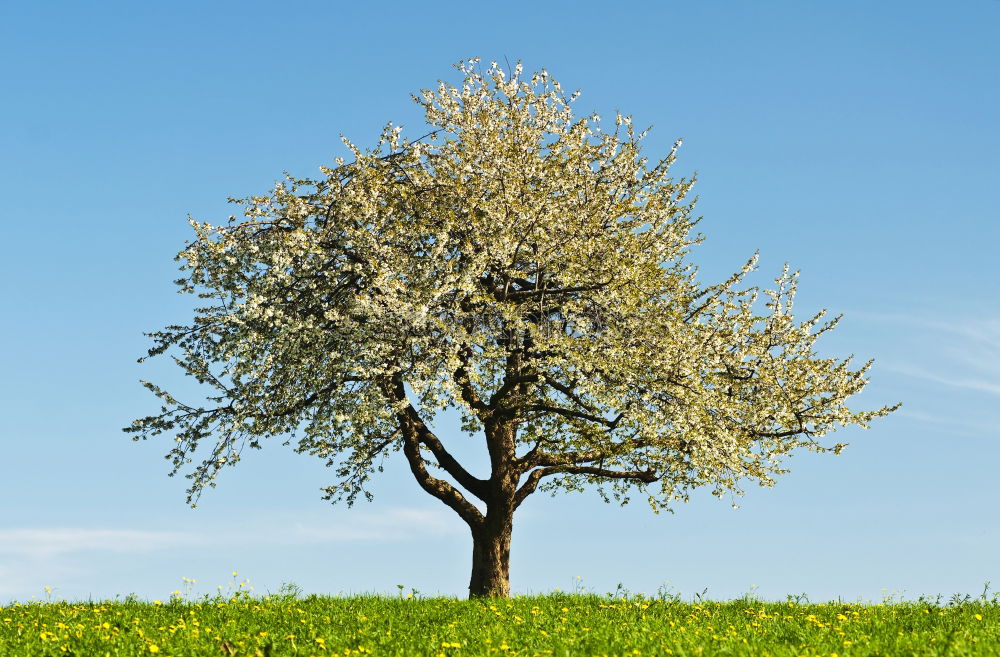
557 624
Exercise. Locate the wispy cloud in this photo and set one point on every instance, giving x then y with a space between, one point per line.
981 329
969 383
32 557
954 425
52 542
960 352
389 524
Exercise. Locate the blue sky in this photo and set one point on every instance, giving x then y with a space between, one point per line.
855 140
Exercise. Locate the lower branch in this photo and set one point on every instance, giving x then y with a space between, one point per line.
413 431
438 487
529 486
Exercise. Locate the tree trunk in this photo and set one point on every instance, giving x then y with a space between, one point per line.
491 558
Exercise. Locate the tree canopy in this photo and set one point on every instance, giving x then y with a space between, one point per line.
517 264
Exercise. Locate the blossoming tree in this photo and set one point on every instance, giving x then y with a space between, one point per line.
517 264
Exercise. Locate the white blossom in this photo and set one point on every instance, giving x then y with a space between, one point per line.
519 265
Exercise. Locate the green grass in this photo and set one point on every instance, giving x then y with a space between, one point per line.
560 624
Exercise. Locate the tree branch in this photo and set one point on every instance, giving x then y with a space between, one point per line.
437 487
477 487
313 397
566 412
416 431
508 385
568 391
551 292
535 458
529 486
461 376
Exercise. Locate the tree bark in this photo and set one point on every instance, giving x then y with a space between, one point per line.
491 557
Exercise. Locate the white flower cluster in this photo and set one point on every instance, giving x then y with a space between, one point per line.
521 265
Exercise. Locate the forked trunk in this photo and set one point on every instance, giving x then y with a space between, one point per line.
491 559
